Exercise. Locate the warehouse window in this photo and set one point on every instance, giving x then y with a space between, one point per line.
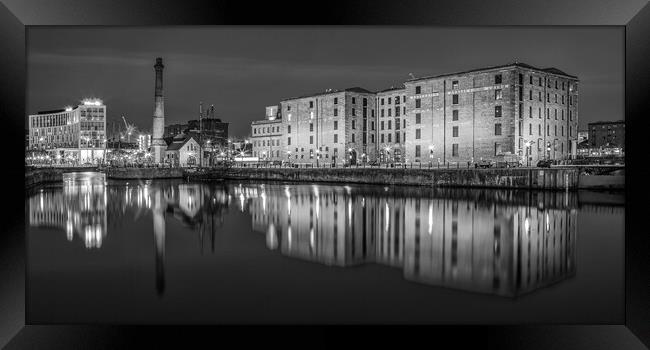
336 125
354 124
365 102
311 104
289 141
497 149
311 140
336 138
417 133
454 114
530 129
382 138
530 111
353 138
454 150
389 138
397 137
454 132
454 99
497 111
336 112
497 129
417 150
418 118
418 103
336 100
418 90
454 84
354 101
311 126
289 129
497 79
382 102
354 112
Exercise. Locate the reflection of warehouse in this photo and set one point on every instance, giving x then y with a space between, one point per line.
440 241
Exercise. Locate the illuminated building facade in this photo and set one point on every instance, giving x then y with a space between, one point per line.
74 134
391 125
144 142
266 137
487 113
514 109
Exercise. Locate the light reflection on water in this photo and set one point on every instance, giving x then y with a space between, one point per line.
499 242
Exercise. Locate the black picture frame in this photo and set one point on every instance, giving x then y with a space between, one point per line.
16 15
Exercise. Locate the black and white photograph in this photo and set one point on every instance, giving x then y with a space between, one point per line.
325 175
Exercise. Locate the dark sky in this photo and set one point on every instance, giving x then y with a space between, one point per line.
243 69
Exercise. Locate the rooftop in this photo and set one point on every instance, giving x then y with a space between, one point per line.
332 91
392 88
551 70
608 122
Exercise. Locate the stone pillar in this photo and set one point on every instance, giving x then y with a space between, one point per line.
158 145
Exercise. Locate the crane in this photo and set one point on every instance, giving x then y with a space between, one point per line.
130 129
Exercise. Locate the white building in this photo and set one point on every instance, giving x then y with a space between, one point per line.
73 134
183 151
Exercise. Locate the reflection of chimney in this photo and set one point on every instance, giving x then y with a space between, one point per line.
159 240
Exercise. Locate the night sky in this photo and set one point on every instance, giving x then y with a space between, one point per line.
243 69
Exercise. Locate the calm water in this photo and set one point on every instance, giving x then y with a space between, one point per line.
234 252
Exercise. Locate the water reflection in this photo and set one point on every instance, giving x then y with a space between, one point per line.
499 242
79 209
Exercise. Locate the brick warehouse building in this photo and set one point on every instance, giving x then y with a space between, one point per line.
491 111
327 127
391 122
510 109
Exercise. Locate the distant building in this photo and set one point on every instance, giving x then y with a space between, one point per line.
206 128
182 151
74 134
144 142
607 135
266 137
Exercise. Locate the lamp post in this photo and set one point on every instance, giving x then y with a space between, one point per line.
528 146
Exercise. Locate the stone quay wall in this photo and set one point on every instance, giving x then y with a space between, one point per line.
144 173
539 179
37 177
